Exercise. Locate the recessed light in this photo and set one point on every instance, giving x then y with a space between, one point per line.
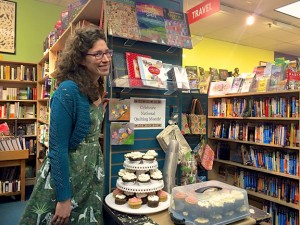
292 9
250 20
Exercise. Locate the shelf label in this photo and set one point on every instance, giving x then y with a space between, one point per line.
203 10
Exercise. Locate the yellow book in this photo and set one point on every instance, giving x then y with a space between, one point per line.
263 84
7 72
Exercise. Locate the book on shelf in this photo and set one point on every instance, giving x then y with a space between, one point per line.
133 68
236 85
64 18
193 76
122 19
151 23
151 71
204 81
179 75
218 88
223 74
74 8
214 74
177 29
248 82
263 84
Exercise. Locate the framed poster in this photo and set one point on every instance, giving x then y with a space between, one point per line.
8 26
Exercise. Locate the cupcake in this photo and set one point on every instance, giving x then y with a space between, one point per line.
142 196
117 191
129 178
134 203
120 199
229 201
121 172
191 206
128 194
239 198
179 200
201 221
148 159
204 208
156 176
152 153
135 157
143 179
163 196
153 201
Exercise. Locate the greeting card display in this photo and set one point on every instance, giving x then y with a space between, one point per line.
151 22
133 68
119 109
122 133
152 72
122 19
177 29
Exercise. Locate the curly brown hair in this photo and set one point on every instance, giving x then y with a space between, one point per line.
69 64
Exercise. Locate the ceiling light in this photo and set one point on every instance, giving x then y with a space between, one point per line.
292 9
250 20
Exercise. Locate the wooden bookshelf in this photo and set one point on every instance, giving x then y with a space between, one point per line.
15 158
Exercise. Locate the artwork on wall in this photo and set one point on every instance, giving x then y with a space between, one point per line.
8 26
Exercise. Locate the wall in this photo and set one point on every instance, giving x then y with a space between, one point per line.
34 22
224 55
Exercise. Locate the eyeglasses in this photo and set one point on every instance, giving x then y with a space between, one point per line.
100 55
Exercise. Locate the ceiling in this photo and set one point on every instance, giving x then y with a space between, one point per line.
272 30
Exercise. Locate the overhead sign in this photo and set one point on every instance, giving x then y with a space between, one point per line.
203 10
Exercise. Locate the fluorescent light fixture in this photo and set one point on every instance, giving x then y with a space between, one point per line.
292 9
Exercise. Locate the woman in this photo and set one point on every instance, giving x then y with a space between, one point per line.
70 184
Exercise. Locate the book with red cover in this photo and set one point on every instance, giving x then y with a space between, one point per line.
133 68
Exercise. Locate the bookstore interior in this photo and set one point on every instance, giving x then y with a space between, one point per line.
202 123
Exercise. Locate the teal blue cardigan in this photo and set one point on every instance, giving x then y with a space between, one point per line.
69 125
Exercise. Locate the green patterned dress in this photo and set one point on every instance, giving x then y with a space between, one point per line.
87 182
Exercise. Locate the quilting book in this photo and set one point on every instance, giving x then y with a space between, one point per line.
119 109
151 23
122 20
152 72
133 68
122 133
177 29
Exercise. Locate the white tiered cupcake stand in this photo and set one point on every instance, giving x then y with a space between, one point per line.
136 188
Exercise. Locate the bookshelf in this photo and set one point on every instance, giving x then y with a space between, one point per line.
12 159
269 157
46 73
18 89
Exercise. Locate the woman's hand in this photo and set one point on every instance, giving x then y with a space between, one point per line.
62 213
105 100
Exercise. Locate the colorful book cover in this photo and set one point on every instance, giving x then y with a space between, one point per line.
151 23
122 133
133 68
122 20
193 76
152 72
204 81
177 29
119 109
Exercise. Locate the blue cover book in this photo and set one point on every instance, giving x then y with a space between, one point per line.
151 23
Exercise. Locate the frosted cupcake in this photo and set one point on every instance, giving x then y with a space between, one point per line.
152 153
204 208
179 200
156 177
135 203
153 201
120 199
143 179
128 194
122 172
143 197
129 178
201 221
117 191
135 157
147 159
163 196
239 198
191 206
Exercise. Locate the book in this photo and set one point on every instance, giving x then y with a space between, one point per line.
119 65
204 81
119 109
214 74
223 74
122 20
217 88
133 68
179 75
64 17
248 81
193 76
262 84
236 84
152 73
151 23
74 8
122 133
177 29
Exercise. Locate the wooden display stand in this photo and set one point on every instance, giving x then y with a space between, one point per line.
15 158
